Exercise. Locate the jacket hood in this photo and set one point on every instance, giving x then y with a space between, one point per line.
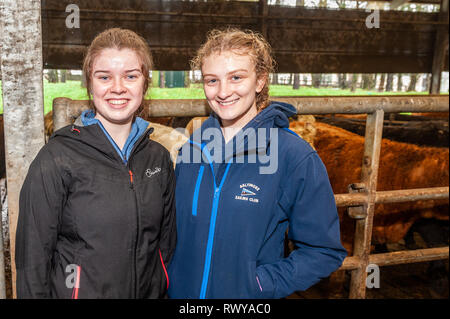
248 140
277 115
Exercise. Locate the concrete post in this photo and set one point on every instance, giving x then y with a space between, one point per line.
2 261
23 105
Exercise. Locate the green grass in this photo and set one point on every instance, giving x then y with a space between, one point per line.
73 90
195 92
70 89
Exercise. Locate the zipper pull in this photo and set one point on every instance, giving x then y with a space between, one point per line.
131 178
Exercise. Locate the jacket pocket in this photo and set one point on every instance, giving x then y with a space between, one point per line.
259 287
254 287
197 190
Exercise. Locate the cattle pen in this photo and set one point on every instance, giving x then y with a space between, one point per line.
363 194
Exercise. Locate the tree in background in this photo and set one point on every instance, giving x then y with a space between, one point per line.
316 79
354 82
162 79
389 82
296 84
381 85
342 81
399 82
52 76
368 81
412 82
427 82
274 79
187 80
62 76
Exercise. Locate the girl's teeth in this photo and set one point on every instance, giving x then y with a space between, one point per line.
227 103
117 102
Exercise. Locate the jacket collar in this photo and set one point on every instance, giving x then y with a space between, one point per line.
87 129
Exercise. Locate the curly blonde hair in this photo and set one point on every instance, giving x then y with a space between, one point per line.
117 38
240 42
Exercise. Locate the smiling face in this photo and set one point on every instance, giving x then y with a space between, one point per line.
117 86
230 84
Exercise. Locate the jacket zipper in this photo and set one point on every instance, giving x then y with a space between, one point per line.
196 191
127 166
131 178
212 227
135 284
130 173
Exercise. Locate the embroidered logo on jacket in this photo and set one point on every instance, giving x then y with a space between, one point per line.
150 172
248 193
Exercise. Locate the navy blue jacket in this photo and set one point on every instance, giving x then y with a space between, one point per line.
233 209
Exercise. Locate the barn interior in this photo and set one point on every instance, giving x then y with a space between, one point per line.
352 37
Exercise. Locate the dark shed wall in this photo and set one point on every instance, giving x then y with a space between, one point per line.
304 40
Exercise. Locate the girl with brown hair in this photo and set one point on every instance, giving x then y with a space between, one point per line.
96 217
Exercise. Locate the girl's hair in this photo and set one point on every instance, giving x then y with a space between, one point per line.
244 43
116 38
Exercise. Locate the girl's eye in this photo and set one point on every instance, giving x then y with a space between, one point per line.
236 78
131 77
210 81
104 78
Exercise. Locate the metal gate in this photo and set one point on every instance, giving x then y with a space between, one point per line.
362 203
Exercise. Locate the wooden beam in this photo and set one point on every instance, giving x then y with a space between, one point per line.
23 104
440 49
66 110
369 176
398 257
263 11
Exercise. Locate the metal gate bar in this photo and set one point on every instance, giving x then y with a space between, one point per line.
362 202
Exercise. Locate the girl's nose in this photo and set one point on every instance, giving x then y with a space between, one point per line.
224 90
118 87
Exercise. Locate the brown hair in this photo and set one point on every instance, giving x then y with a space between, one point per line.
116 38
245 42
